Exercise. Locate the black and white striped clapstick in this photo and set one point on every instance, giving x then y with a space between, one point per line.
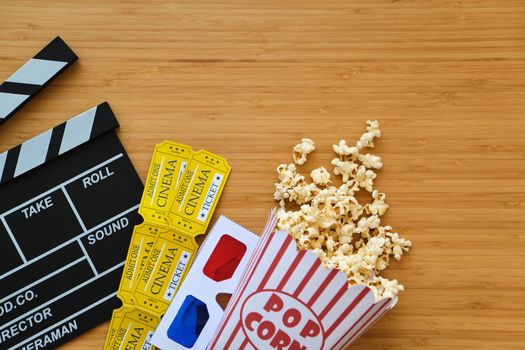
33 76
56 141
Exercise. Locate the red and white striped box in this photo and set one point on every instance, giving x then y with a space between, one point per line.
287 300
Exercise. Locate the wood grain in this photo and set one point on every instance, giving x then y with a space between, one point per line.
247 79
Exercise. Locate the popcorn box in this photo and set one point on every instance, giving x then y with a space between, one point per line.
287 300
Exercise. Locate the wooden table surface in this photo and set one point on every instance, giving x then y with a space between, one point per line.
248 79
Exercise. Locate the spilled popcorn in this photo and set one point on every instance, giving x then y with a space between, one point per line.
343 232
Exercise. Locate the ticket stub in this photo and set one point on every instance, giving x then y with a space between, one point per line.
198 193
116 319
142 241
167 165
135 331
163 273
140 247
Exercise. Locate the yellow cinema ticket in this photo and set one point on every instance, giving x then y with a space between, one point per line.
167 165
142 242
135 331
198 193
166 268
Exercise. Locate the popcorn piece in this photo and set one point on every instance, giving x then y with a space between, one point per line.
320 176
367 139
302 149
344 233
399 245
344 168
378 206
370 161
303 192
386 288
342 149
289 179
365 178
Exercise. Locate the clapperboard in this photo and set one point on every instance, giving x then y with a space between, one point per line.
68 204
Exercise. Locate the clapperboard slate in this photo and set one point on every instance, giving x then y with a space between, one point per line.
68 204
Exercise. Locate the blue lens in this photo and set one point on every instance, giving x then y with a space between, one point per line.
189 322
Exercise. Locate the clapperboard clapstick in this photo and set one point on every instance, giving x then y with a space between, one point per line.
69 200
33 76
56 141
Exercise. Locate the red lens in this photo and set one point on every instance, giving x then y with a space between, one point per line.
224 259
